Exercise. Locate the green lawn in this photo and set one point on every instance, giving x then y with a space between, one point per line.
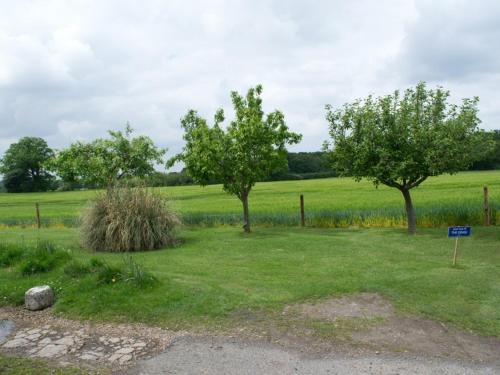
218 272
23 366
334 202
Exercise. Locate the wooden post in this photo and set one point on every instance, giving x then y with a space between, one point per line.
37 215
302 215
455 252
487 212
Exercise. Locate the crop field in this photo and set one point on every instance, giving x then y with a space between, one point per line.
333 202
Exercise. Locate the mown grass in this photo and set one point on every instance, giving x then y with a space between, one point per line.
25 366
218 272
334 202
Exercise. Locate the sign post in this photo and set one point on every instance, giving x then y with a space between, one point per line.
463 231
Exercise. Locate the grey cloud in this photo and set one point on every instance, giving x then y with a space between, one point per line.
452 40
71 70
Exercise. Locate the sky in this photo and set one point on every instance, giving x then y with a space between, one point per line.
71 70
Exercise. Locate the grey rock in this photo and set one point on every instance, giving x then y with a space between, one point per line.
126 350
16 343
52 350
39 298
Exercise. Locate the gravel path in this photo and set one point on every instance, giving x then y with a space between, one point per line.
225 356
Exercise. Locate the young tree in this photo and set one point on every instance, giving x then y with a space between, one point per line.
249 150
401 140
23 165
104 161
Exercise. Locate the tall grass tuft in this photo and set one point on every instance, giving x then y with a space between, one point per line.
128 219
135 274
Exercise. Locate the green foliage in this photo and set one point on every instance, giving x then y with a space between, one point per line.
251 148
108 274
135 274
401 140
76 269
23 166
170 179
10 365
128 219
308 162
10 254
490 160
105 161
129 272
44 257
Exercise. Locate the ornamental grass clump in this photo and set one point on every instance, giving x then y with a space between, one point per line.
126 219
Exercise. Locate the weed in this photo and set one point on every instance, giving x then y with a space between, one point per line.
135 274
76 269
9 254
44 257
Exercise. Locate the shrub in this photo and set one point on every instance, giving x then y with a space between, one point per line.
9 254
128 219
44 257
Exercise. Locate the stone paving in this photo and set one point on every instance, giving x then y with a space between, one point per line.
89 345
47 343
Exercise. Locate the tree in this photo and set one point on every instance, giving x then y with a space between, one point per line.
23 165
401 140
249 150
492 160
308 162
104 161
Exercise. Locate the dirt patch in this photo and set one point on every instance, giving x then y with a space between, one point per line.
410 334
390 332
363 305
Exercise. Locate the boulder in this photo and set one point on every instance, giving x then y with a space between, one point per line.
39 298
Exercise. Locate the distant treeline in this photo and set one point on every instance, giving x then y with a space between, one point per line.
301 166
492 161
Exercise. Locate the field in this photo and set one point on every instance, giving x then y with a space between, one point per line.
335 202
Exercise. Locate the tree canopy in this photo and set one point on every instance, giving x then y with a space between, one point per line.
23 166
400 140
250 149
105 161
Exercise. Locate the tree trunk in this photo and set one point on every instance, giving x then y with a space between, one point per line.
246 214
410 212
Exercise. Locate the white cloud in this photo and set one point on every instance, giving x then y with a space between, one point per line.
73 69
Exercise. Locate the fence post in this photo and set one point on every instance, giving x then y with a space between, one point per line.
37 215
487 211
302 215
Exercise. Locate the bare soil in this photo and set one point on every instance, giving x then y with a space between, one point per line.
357 326
390 332
363 305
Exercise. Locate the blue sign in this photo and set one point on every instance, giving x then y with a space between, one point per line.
459 231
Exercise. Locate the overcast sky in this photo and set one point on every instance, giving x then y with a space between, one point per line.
70 70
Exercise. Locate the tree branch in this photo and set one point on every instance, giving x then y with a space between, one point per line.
393 184
417 182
